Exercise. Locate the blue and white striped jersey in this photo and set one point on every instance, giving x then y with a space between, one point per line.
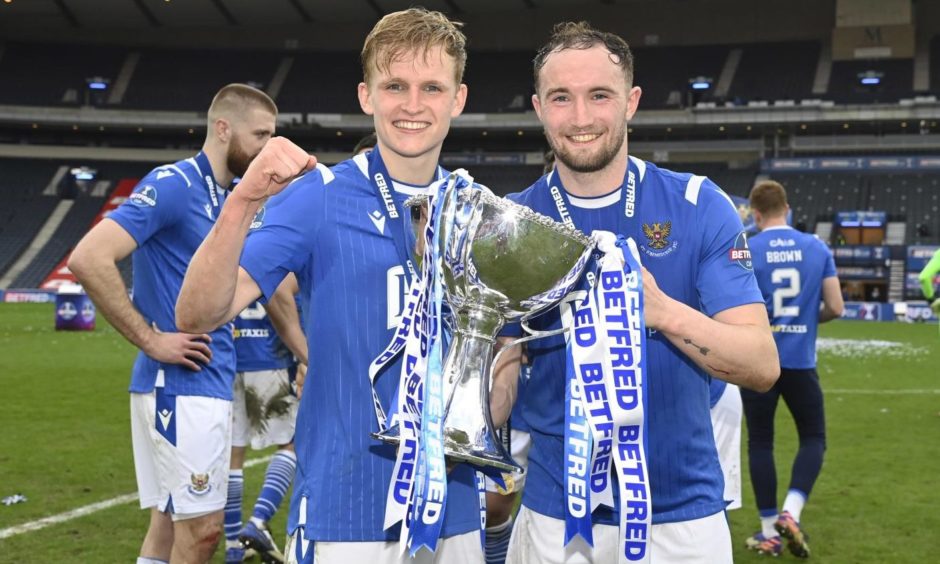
335 233
257 345
690 238
790 267
169 213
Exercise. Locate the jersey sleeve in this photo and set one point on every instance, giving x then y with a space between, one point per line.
829 269
283 232
725 274
154 204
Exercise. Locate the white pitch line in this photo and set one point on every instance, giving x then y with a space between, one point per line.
882 392
89 509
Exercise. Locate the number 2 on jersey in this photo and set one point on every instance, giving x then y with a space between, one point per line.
790 277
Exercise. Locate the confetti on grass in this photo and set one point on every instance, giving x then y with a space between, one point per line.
855 348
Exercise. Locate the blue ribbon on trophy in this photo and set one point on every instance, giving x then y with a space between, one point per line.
607 362
430 498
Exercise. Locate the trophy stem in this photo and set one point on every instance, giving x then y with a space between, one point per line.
468 424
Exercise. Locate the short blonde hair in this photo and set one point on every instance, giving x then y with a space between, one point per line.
769 198
414 30
234 99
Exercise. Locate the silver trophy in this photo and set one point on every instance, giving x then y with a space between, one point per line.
502 263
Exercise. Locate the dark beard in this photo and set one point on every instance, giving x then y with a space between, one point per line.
237 160
595 163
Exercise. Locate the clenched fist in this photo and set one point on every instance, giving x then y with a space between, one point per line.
275 166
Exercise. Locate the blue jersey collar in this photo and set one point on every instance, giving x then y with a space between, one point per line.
204 169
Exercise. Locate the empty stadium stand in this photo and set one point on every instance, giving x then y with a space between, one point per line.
24 209
664 72
897 82
911 197
503 179
73 227
183 79
52 74
775 71
322 83
817 197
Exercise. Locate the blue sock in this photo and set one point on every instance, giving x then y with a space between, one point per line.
277 479
233 504
497 542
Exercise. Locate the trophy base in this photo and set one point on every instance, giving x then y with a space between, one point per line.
495 457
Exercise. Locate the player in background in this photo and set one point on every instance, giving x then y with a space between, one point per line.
926 277
797 277
727 413
703 308
341 231
181 383
264 412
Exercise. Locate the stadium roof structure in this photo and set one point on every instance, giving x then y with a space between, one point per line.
492 24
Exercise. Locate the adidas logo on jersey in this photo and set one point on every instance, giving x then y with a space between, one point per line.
378 220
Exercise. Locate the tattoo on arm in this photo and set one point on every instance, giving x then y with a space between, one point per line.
703 350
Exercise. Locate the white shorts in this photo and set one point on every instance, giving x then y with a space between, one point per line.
538 539
274 406
726 423
181 452
458 549
519 444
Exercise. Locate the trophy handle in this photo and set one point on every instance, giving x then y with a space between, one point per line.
532 336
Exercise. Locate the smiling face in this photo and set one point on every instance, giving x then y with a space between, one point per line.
584 103
412 103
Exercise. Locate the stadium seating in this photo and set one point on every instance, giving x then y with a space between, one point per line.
506 179
66 236
53 74
910 197
322 83
499 82
775 71
184 79
897 82
660 71
23 208
818 196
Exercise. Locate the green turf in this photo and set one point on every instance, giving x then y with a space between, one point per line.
66 440
66 443
877 496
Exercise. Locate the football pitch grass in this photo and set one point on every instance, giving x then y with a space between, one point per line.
65 443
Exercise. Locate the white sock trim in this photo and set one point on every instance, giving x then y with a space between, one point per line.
501 527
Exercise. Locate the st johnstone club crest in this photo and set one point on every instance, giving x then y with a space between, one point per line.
658 234
199 484
658 243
